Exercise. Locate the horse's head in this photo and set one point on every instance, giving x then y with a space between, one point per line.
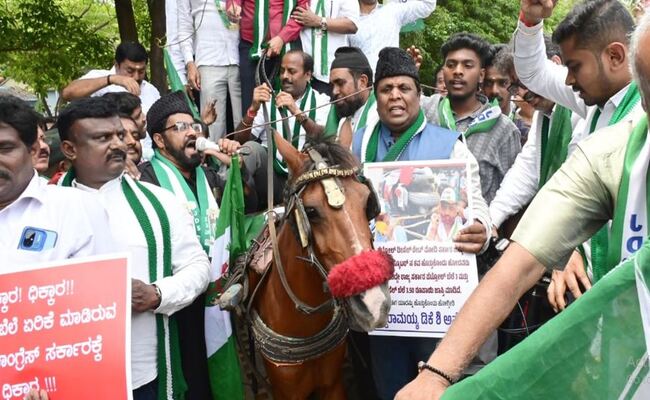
329 207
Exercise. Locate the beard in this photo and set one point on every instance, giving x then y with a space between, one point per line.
348 107
187 162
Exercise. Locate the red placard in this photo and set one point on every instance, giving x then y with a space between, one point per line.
66 329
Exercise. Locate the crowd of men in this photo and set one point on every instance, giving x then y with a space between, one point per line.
548 123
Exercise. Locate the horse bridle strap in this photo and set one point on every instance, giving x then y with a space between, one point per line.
283 349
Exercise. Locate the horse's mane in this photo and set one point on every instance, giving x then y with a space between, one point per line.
333 153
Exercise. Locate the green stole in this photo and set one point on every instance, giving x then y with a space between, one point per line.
221 10
400 145
484 122
171 382
625 204
294 135
333 120
600 241
319 43
204 211
261 25
556 136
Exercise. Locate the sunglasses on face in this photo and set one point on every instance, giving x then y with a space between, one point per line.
182 126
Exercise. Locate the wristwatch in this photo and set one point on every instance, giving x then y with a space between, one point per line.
158 295
323 24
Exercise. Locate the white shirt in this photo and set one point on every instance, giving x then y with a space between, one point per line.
381 27
73 224
190 267
333 9
547 79
204 38
173 45
148 92
321 118
521 182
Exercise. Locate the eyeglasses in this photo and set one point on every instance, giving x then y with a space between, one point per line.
514 87
182 126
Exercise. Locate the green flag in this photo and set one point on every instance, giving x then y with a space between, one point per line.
175 83
233 235
595 349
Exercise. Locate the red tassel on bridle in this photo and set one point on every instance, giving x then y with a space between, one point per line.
360 273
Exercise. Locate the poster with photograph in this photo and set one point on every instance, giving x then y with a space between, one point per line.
65 328
424 204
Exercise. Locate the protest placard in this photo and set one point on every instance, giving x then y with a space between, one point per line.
424 204
65 328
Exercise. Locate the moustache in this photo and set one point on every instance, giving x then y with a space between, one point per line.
43 154
120 154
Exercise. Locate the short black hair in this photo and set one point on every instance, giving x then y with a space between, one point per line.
307 60
494 50
132 51
469 41
19 115
595 24
125 102
88 107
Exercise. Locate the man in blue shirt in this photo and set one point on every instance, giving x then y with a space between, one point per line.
403 134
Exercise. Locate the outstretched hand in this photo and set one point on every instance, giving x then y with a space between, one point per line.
536 10
416 54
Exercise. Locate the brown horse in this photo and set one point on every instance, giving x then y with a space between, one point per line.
298 326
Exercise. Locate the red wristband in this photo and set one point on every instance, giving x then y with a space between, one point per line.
250 113
522 18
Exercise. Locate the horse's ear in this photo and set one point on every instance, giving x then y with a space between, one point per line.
290 154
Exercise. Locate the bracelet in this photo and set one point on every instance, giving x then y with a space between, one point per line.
246 125
522 18
108 80
250 113
422 365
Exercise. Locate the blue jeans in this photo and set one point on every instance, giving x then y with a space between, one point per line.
395 361
147 392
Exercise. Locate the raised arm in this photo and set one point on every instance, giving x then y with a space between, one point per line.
85 87
412 10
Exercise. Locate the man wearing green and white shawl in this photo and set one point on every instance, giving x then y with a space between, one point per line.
491 136
306 111
605 177
595 84
169 267
350 73
176 166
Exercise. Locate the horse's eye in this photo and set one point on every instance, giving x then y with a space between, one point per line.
312 213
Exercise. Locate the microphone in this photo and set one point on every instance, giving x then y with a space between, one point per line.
203 144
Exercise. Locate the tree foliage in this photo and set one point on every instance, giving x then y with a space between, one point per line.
45 44
495 20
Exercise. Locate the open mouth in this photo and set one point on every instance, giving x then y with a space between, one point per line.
191 144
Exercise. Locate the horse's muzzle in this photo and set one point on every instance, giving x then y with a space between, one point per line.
361 272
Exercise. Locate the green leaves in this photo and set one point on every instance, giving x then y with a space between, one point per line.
46 44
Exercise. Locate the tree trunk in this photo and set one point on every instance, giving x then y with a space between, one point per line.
158 32
126 21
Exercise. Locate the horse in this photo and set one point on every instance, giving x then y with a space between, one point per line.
325 274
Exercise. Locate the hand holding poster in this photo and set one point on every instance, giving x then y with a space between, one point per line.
65 329
424 205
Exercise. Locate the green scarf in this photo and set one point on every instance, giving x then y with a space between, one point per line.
333 120
394 153
624 224
221 10
484 122
319 43
294 136
261 25
171 382
555 142
204 211
600 241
